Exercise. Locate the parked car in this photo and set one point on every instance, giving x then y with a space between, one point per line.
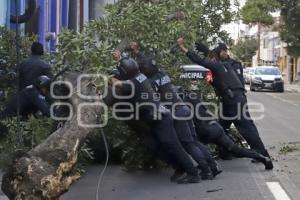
266 77
247 74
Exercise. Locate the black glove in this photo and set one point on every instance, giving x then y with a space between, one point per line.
202 48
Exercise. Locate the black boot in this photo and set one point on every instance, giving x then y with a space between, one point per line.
205 173
178 173
224 154
189 179
206 176
268 163
215 168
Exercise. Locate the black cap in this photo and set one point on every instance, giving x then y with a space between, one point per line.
215 50
148 66
128 68
223 46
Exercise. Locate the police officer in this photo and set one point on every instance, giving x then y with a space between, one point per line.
33 67
210 131
161 83
221 54
31 100
231 91
148 110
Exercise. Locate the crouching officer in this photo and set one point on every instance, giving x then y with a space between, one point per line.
209 130
147 107
231 91
31 100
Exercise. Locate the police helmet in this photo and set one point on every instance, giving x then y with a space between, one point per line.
128 67
42 82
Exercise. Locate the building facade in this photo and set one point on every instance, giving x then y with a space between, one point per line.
52 16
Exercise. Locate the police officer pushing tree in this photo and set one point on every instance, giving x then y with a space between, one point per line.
231 92
31 100
148 111
162 85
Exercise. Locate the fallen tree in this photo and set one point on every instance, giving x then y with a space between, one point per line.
47 171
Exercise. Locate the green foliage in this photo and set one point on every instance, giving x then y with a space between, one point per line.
290 28
155 25
244 50
34 131
289 148
8 56
259 11
147 23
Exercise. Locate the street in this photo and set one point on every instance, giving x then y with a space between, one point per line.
241 179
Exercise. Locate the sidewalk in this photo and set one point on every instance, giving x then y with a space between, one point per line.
292 87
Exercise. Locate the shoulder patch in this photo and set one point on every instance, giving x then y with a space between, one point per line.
141 78
163 80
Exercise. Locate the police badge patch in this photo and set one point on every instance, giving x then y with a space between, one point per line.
140 78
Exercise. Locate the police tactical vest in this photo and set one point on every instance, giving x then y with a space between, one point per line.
161 83
226 80
144 93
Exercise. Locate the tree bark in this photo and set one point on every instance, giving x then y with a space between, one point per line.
47 171
258 42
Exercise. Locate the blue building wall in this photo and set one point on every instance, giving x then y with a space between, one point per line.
4 13
52 16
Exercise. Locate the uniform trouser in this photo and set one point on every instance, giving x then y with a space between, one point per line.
218 137
150 141
185 133
164 132
204 148
236 112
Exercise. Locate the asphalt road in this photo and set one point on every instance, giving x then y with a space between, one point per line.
241 179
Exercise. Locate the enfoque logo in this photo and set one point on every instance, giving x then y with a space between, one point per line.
125 108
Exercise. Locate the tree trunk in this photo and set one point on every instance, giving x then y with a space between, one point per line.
258 42
47 171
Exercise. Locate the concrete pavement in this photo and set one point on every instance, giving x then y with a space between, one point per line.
238 182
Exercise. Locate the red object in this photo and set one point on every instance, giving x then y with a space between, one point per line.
209 77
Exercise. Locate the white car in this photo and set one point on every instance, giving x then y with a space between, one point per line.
247 74
266 77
